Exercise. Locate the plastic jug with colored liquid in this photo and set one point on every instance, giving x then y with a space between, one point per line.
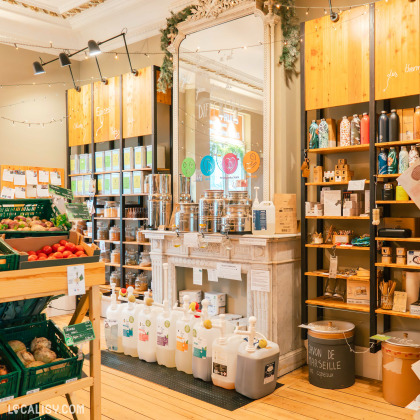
146 327
263 216
183 352
257 366
203 337
113 337
129 323
224 357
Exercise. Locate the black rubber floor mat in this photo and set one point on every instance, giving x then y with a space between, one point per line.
177 381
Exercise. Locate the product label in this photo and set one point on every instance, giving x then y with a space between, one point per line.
127 159
182 338
72 165
82 164
144 330
269 373
100 184
136 181
107 184
111 334
200 347
162 333
128 327
260 219
219 362
6 398
115 160
99 163
107 162
219 369
137 158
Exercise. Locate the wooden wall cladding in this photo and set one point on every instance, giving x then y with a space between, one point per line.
80 115
397 48
106 101
337 60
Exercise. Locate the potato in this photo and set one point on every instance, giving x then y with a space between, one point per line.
3 370
17 345
61 365
45 355
40 342
25 357
36 364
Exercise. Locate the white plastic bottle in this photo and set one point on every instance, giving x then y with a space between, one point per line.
203 337
113 335
224 355
166 335
129 315
263 216
257 366
146 344
183 352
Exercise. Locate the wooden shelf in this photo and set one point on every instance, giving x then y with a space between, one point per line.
140 169
394 202
402 266
138 243
71 175
396 143
394 313
387 176
339 217
329 246
137 267
135 195
325 274
107 288
336 304
81 196
106 218
112 265
339 149
107 241
134 218
398 239
107 195
107 172
332 183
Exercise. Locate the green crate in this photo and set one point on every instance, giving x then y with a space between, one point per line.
45 417
42 377
10 260
10 388
30 412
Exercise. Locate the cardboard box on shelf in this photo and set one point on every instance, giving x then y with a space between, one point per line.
358 290
83 163
407 124
107 184
140 157
286 218
100 161
342 161
74 164
216 310
80 185
195 295
116 159
215 298
128 158
413 258
86 184
138 182
412 223
100 184
328 176
332 203
115 183
318 173
127 182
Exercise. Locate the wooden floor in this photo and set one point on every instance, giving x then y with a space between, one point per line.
129 397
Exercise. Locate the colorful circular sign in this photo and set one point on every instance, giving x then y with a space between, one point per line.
207 165
229 163
251 162
188 167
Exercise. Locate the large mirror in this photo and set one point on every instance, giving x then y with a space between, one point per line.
223 92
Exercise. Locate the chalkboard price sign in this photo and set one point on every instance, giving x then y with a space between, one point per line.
77 211
61 192
79 333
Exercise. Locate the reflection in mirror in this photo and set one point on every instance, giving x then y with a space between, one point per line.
221 75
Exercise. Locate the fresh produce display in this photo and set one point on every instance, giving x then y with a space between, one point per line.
62 222
3 371
29 224
58 251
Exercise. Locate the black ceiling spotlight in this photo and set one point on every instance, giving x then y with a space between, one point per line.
334 16
37 66
93 48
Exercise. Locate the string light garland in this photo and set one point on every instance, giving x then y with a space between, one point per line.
34 123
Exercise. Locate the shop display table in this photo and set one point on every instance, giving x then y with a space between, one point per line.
277 308
52 281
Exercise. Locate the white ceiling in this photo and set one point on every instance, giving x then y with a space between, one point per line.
142 18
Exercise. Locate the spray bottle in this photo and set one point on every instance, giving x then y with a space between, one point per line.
183 352
257 365
224 357
113 336
129 316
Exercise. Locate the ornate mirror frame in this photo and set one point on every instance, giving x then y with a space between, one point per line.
211 13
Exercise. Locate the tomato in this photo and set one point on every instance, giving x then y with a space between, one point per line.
79 253
32 258
41 254
61 248
47 250
80 248
70 247
82 255
71 256
31 253
63 242
51 257
42 258
55 247
66 254
58 255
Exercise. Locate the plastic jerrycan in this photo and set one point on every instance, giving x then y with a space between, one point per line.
113 325
224 357
146 343
166 335
129 316
203 336
183 352
263 216
258 362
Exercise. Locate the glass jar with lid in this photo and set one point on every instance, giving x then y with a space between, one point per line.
140 235
131 257
111 209
115 277
114 234
105 257
130 234
116 255
130 279
145 259
141 283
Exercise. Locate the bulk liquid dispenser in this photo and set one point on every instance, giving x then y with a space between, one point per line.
129 323
113 335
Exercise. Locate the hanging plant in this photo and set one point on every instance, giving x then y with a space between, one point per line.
289 26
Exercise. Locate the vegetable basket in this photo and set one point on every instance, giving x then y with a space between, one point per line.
9 384
45 417
51 374
9 258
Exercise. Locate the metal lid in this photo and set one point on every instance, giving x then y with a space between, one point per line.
404 338
331 326
393 110
383 112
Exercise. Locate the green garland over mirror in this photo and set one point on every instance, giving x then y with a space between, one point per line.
289 25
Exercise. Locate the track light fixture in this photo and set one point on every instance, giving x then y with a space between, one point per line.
334 16
93 50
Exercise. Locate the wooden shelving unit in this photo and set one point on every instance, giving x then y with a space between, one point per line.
394 313
338 149
400 266
394 202
338 217
346 247
396 143
336 304
138 243
137 267
379 238
52 281
326 184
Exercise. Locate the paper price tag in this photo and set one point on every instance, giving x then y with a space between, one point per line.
76 280
357 185
102 246
333 267
78 333
198 276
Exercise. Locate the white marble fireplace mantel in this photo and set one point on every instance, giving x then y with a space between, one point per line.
277 311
